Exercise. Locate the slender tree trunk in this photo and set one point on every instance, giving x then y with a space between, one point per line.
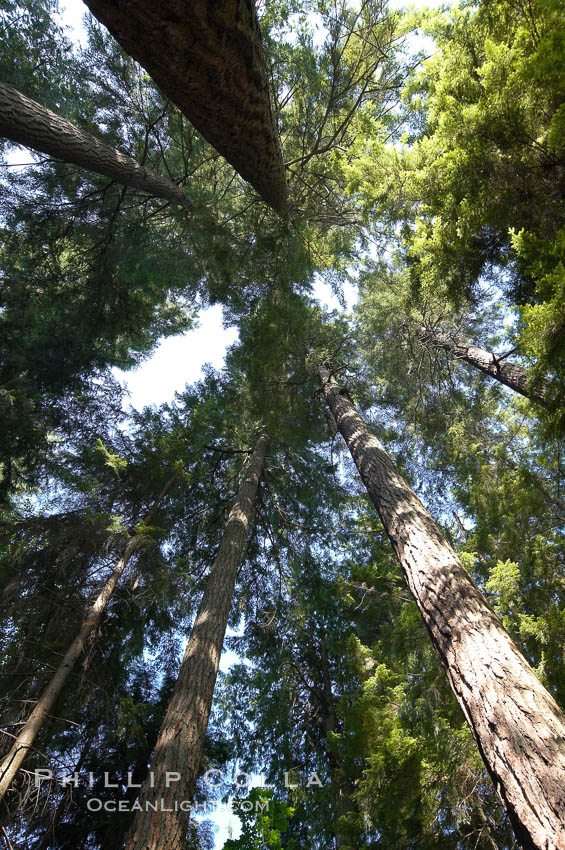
502 370
11 763
343 804
176 760
207 56
26 122
43 706
518 727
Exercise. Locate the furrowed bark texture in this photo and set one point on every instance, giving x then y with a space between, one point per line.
10 765
507 373
26 122
518 727
207 57
176 760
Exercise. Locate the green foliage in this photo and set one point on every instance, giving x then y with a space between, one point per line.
35 54
114 461
480 161
335 78
450 169
543 322
264 819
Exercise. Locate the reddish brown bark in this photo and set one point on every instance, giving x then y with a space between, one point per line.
502 370
176 760
207 57
26 122
518 727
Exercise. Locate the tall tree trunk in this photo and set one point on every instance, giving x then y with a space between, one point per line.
11 763
26 122
343 804
507 373
43 706
176 760
518 727
207 57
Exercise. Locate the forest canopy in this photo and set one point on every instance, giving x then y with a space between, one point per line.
363 508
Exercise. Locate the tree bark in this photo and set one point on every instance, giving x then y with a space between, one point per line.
207 57
26 122
175 765
11 763
502 370
518 727
343 804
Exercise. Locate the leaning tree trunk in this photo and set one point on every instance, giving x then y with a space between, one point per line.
518 727
11 763
26 122
176 760
507 373
207 57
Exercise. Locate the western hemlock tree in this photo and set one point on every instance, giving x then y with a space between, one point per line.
180 744
26 122
25 738
518 727
43 706
209 59
509 374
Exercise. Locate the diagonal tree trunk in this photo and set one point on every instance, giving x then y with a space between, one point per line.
207 57
26 122
507 373
518 727
11 763
176 760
